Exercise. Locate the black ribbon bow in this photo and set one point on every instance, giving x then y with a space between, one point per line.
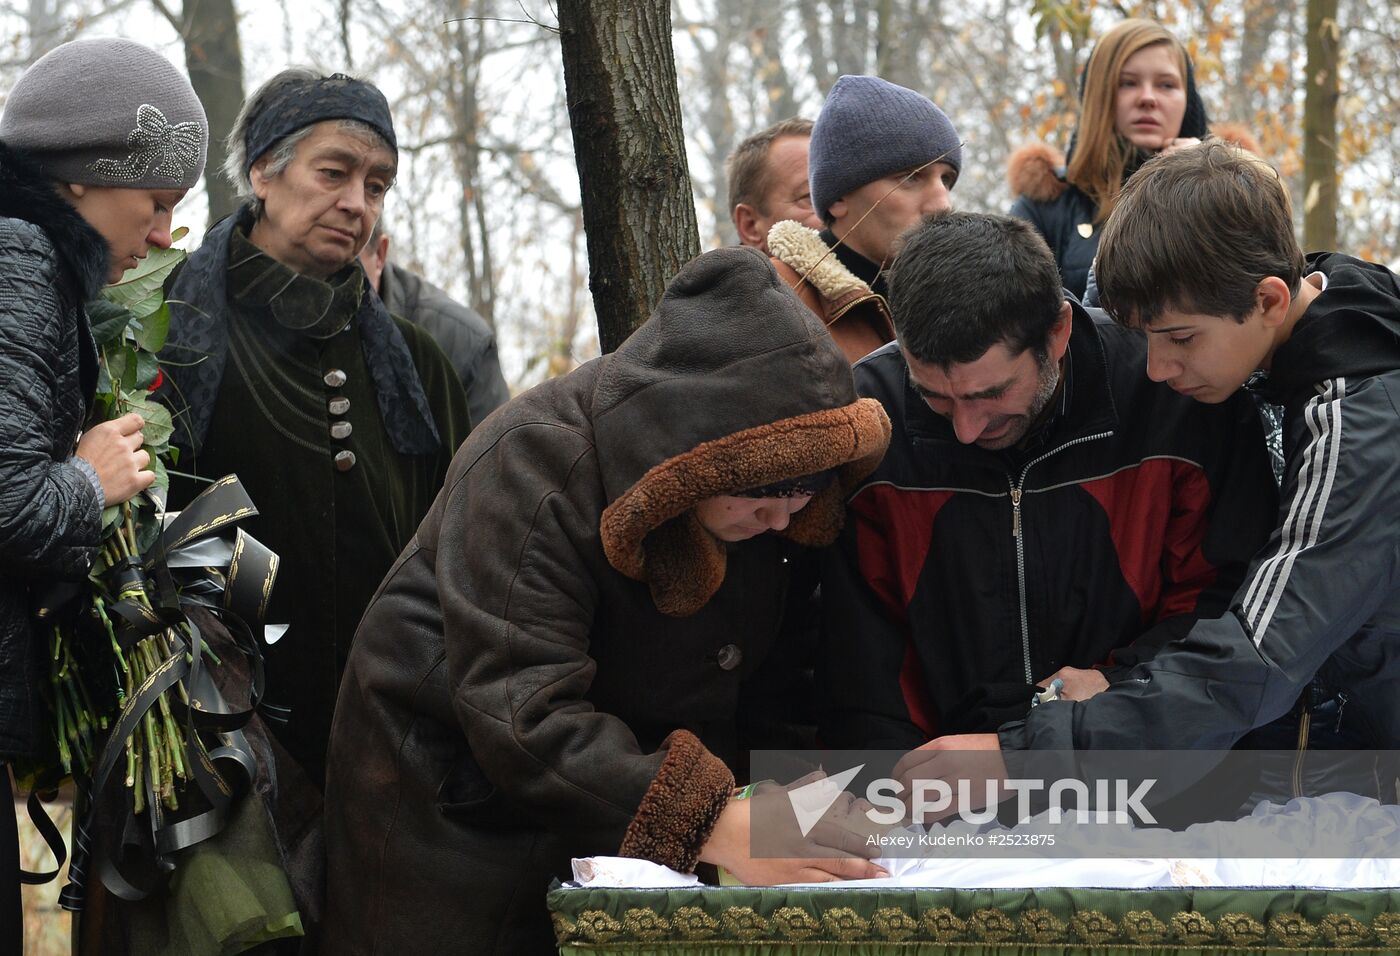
201 559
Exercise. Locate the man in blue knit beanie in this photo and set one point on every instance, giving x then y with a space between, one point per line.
882 158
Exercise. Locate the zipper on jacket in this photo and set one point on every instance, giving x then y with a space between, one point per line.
1017 491
1021 575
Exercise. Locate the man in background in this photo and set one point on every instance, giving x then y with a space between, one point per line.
880 159
767 176
470 343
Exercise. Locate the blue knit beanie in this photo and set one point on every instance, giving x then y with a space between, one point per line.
870 128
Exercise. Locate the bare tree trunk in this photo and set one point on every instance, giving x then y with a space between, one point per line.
343 15
1260 19
561 353
730 27
1066 50
44 26
850 35
816 44
483 291
215 63
899 29
463 103
782 103
625 112
1320 127
885 38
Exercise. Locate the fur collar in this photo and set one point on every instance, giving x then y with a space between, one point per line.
1037 171
27 194
802 248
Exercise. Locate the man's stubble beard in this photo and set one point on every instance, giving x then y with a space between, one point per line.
1045 389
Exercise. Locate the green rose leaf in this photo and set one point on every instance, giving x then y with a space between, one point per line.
146 368
159 425
108 321
111 517
154 328
121 366
141 289
102 404
147 527
162 482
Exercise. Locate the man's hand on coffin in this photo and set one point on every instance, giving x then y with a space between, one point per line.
964 766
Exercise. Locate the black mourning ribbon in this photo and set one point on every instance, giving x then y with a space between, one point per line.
131 856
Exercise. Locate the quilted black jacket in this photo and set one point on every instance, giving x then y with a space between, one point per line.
51 262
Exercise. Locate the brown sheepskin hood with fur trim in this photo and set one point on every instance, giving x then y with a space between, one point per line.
563 663
733 383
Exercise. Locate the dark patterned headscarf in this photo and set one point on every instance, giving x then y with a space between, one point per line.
792 487
301 103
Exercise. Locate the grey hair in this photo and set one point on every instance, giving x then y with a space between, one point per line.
282 152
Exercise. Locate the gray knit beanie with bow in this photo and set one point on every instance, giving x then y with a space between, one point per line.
108 112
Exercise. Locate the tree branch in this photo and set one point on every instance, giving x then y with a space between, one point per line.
175 21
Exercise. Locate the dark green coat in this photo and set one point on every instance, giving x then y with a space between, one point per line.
337 531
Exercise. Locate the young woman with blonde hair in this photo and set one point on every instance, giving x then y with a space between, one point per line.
1138 98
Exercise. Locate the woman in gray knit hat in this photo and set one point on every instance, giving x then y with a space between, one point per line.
99 140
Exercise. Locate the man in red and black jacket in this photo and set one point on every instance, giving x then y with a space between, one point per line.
1044 511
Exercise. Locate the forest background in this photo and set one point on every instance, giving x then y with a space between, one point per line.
487 202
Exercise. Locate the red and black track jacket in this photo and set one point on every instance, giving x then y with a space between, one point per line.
964 576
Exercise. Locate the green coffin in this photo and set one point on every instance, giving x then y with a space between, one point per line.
785 920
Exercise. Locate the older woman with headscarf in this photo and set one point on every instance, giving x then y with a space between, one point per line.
286 368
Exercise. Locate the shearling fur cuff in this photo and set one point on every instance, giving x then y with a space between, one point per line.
801 248
682 562
680 808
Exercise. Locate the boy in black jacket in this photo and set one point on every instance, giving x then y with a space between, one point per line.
1321 602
